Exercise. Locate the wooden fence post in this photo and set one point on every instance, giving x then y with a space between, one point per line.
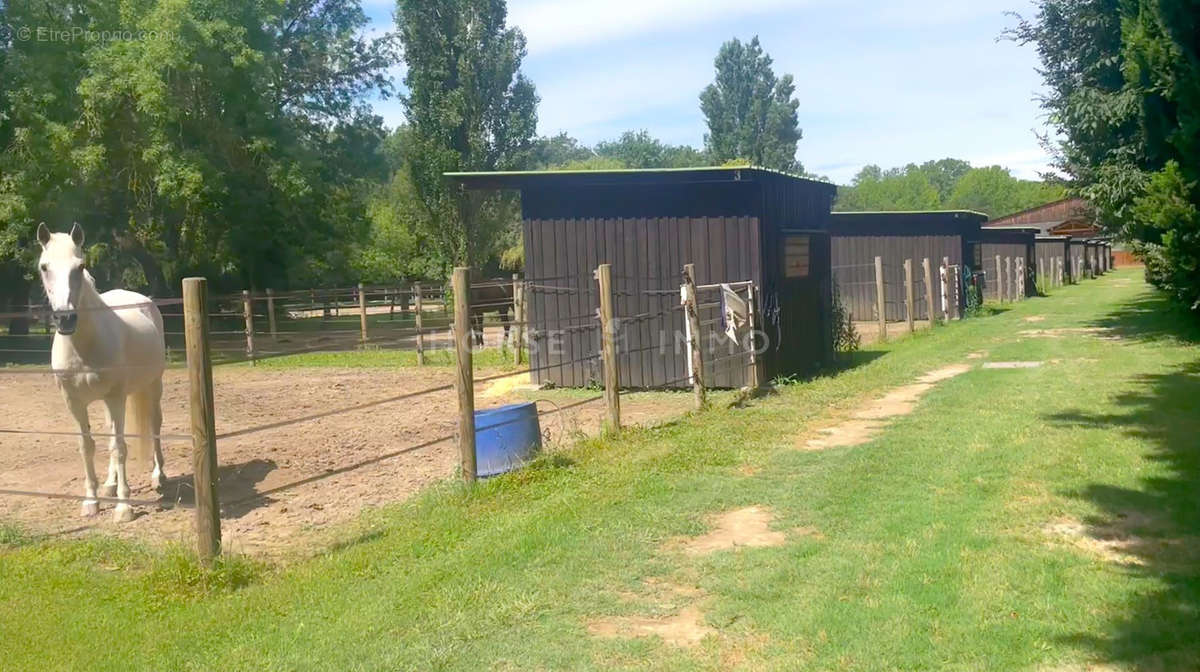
204 433
956 280
465 381
362 312
1059 271
929 310
880 299
416 290
1008 290
946 287
391 297
271 312
519 318
691 308
755 374
608 341
248 314
999 280
909 298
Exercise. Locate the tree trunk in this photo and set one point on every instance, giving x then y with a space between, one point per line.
151 267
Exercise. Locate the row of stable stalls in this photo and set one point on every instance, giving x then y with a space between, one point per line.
736 225
1042 256
739 226
949 240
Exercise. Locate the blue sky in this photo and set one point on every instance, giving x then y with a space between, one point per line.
878 82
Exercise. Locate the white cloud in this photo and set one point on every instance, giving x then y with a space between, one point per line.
551 25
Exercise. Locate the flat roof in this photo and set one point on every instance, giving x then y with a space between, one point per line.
911 212
519 179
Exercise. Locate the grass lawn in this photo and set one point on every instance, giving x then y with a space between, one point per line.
1032 518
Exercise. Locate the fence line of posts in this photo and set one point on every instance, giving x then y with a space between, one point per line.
1010 284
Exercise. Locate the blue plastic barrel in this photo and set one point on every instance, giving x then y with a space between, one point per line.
506 438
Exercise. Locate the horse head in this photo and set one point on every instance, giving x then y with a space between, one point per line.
61 269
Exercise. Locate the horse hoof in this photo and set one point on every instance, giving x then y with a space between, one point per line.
123 513
158 481
108 490
90 509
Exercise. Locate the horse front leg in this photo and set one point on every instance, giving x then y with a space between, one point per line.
87 450
116 415
507 324
477 329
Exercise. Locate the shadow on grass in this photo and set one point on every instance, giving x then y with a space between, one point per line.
1152 317
1156 526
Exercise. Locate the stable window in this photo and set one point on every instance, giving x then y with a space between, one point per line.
795 256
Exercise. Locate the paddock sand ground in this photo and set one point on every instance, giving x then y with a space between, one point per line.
281 489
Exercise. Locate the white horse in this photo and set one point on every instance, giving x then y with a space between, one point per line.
109 347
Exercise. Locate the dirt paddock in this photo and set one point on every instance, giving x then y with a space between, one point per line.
283 488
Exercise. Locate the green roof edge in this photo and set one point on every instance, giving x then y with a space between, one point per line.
621 171
909 212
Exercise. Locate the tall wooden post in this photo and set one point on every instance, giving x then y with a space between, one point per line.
362 312
1059 271
999 280
880 299
391 297
956 291
755 373
416 290
946 288
271 312
909 297
248 314
204 432
691 308
518 317
1041 273
608 343
465 380
929 306
1009 289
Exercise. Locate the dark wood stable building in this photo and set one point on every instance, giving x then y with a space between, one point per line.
1008 243
734 224
859 237
1049 250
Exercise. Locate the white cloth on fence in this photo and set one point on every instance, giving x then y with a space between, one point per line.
735 313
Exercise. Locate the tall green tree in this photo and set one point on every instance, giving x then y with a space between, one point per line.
944 174
751 113
469 107
1124 94
875 189
639 149
224 138
995 192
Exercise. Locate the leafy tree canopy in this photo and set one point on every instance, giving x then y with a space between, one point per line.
1124 94
751 113
948 184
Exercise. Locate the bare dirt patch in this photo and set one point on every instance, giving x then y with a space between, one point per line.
741 528
684 629
285 489
868 332
977 355
1012 365
1131 539
1034 318
869 420
1063 332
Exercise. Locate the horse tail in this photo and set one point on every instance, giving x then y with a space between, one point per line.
140 411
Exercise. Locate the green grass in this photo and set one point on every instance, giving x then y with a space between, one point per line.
931 552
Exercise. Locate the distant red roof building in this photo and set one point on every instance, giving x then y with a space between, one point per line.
1068 217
